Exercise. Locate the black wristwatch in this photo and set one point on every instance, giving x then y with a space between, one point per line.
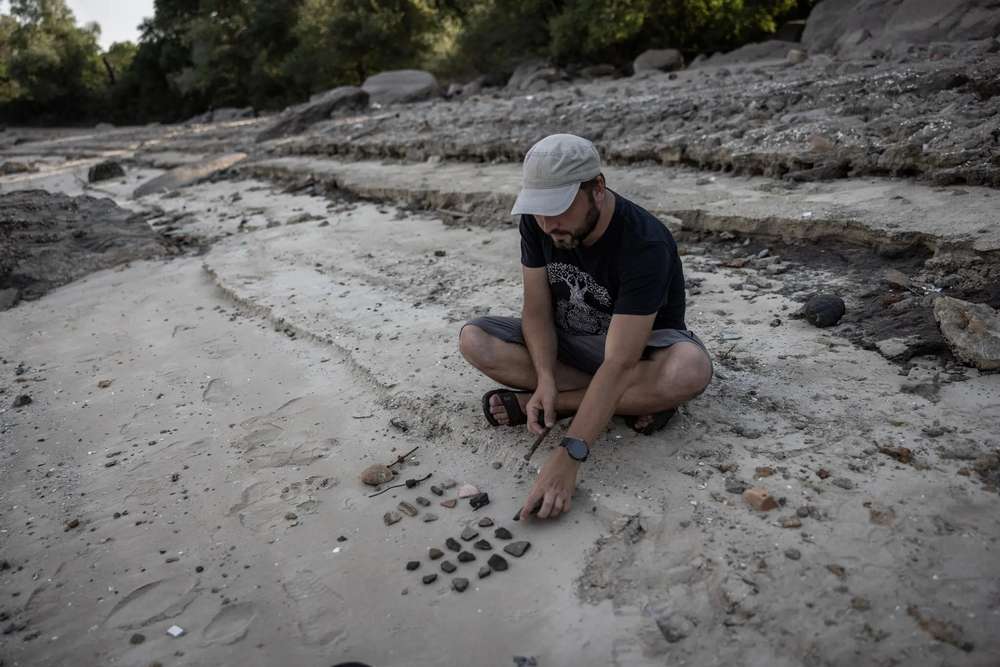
576 448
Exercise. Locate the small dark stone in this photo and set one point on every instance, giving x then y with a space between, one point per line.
459 584
434 553
517 549
22 400
737 486
391 517
440 253
399 424
137 638
413 565
823 310
291 516
429 517
423 502
436 490
453 544
448 566
479 500
498 563
469 533
407 508
485 522
502 533
843 483
466 557
199 568
485 571
793 554
483 545
341 539
430 578
104 171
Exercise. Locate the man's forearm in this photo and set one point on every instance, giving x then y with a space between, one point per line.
540 339
600 400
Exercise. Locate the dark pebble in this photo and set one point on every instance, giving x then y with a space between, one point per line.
453 544
199 569
485 571
466 557
448 566
430 578
434 553
341 539
502 533
436 490
423 502
483 545
459 584
479 500
485 522
497 562
793 554
22 400
469 533
137 638
413 565
823 310
517 548
407 508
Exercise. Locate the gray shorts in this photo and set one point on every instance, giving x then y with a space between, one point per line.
585 353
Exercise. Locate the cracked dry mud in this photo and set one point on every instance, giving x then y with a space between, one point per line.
318 302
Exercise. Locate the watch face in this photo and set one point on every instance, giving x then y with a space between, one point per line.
577 449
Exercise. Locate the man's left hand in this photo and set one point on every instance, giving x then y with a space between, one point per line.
554 486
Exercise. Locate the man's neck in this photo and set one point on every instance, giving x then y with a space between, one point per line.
607 212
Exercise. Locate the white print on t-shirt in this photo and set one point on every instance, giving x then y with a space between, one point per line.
576 315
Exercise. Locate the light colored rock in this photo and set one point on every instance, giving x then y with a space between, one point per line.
664 60
401 86
972 331
188 174
894 348
796 56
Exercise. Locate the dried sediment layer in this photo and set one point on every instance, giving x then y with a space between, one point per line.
48 240
823 119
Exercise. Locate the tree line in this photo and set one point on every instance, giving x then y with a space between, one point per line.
195 55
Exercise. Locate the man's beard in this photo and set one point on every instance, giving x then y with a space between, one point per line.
590 223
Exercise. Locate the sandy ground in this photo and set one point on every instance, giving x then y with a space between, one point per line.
251 384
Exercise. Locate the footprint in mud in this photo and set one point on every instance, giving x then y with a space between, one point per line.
231 624
264 504
155 601
291 435
316 607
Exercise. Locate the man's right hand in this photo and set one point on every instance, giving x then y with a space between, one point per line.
541 408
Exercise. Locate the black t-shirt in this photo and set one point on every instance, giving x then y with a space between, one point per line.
633 269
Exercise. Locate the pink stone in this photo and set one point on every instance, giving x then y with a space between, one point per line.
467 491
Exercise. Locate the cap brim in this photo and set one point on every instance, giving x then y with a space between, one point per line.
547 201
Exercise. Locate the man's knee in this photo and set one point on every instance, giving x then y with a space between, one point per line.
475 345
685 374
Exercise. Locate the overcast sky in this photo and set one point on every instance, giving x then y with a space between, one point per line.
119 19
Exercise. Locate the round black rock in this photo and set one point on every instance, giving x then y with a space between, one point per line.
466 557
453 544
497 563
483 545
502 533
430 578
448 566
413 565
434 553
485 571
459 584
823 310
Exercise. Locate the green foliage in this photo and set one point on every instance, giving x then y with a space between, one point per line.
195 55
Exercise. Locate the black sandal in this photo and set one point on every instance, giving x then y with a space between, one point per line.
508 398
659 420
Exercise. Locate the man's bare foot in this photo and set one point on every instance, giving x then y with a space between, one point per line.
650 424
499 412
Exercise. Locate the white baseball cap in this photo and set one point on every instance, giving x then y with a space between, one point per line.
552 173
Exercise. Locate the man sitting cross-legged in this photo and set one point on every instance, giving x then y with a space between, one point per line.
602 330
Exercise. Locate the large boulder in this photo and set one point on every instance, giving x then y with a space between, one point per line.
841 25
972 331
664 60
770 50
297 119
401 86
